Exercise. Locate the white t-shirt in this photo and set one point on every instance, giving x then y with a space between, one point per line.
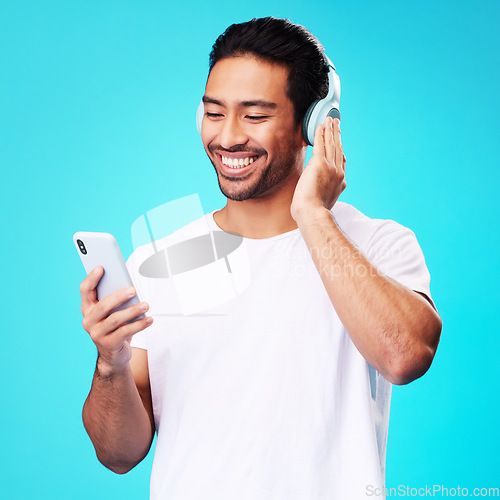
258 392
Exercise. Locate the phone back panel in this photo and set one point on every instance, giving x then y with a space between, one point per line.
102 250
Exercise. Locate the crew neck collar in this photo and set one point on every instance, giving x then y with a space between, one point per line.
214 227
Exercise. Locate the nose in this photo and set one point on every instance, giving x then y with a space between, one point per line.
232 132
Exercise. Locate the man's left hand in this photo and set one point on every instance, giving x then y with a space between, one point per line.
323 180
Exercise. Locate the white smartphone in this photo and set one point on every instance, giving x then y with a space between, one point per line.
101 249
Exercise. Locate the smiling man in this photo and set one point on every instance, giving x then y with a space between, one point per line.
282 392
253 142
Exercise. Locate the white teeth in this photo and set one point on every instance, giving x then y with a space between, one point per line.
237 162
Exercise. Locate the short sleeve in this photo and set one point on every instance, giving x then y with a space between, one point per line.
395 251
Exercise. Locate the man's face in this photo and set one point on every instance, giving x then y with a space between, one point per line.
248 130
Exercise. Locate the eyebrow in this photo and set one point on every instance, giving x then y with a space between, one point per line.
246 104
260 103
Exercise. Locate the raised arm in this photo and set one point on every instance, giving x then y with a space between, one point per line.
394 328
117 414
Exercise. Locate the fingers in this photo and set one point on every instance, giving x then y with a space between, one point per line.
128 330
319 143
330 148
100 323
339 154
101 309
332 144
115 329
120 318
88 289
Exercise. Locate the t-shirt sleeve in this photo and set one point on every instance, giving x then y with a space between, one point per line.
140 339
395 251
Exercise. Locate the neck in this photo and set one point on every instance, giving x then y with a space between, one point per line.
262 217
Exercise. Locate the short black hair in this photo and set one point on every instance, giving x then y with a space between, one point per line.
280 41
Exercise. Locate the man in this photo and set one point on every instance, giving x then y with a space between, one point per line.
283 392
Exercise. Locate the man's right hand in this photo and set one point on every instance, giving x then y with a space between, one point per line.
110 332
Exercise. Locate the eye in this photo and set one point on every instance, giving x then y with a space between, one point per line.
255 118
213 115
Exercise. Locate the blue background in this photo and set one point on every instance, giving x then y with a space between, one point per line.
97 126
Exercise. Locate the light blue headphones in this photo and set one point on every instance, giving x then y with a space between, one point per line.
321 108
317 111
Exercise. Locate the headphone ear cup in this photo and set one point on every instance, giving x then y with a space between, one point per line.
199 116
307 130
334 113
316 115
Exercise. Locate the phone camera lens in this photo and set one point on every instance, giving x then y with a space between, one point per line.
81 246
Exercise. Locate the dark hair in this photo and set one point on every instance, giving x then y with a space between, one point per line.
280 41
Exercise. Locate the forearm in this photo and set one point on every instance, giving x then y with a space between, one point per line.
394 328
116 419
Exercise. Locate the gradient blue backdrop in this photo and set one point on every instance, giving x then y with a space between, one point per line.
97 126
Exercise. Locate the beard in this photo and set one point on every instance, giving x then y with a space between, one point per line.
258 182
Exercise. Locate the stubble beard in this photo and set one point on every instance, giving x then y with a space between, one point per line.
268 180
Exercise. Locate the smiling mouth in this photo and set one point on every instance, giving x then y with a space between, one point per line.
237 162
